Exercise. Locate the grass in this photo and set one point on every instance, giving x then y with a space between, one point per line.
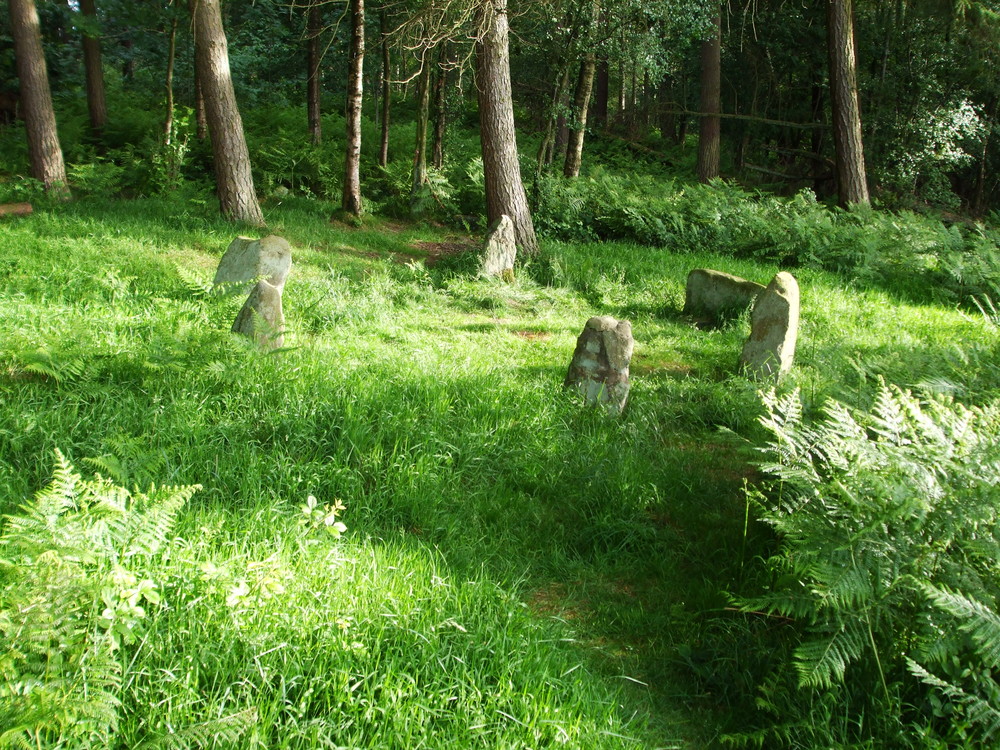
518 571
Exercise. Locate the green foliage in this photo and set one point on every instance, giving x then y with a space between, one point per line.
888 520
71 596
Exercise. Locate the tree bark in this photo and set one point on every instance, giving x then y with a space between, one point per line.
44 150
94 70
852 182
383 151
355 92
233 177
419 173
602 89
709 131
314 28
201 120
546 147
168 122
502 170
440 108
581 103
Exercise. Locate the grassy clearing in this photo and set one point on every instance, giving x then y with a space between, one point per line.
517 572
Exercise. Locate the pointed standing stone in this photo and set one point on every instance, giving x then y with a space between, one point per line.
262 318
501 250
599 369
247 260
769 351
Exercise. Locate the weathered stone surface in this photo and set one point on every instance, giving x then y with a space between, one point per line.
501 251
769 351
599 369
262 318
248 260
714 296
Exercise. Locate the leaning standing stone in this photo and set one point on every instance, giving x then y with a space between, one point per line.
599 369
262 318
500 252
248 260
774 322
714 296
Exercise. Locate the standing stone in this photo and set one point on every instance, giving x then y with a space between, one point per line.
248 260
262 318
501 250
714 296
774 322
599 369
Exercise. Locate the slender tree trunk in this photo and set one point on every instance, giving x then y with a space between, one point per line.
201 120
504 189
581 103
667 118
440 108
423 116
711 106
44 150
355 92
547 145
852 181
233 177
602 88
314 28
168 122
383 151
96 102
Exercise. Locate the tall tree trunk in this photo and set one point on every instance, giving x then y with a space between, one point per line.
504 190
233 177
314 28
383 151
547 145
602 88
201 120
168 122
440 108
355 90
711 106
419 173
581 103
44 150
666 110
96 103
852 181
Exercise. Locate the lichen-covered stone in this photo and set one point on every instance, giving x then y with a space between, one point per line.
248 260
262 318
774 329
500 251
600 366
715 296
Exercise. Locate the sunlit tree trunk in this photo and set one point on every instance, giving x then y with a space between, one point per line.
44 150
852 180
314 27
383 151
440 108
233 177
709 134
168 121
581 103
419 173
201 120
504 189
355 91
94 70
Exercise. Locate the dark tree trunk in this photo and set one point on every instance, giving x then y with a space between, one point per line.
419 173
667 117
711 106
96 102
314 28
504 190
547 146
602 88
581 103
233 177
852 181
383 151
355 92
201 120
440 108
44 150
168 121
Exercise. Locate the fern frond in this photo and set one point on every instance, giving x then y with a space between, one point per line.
823 662
978 711
975 618
225 730
148 529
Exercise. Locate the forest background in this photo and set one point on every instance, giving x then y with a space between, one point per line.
812 566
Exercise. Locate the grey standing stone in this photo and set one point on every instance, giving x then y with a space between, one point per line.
248 260
599 369
262 318
714 296
501 250
774 328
